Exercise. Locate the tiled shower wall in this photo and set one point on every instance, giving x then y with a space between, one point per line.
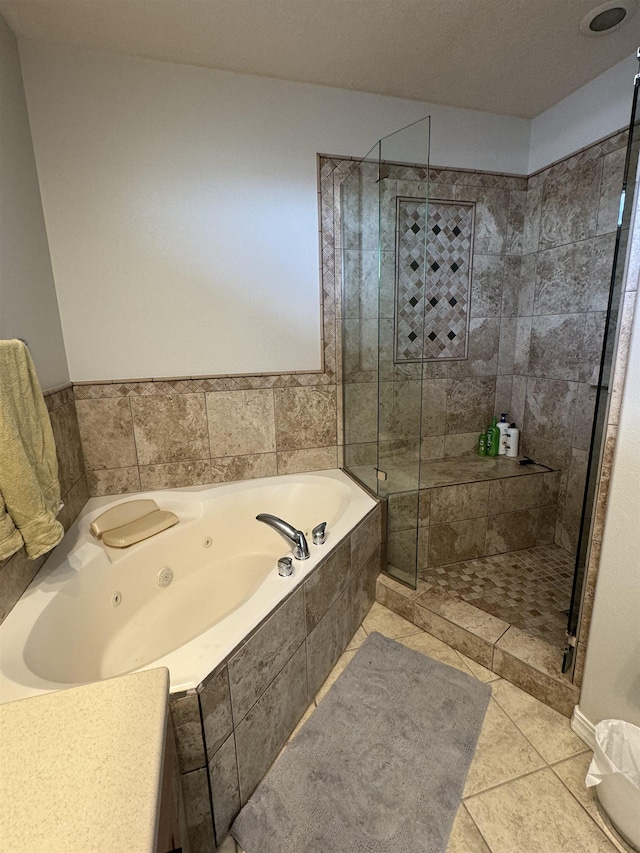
569 239
17 572
541 269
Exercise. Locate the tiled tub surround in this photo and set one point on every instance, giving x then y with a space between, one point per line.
471 508
17 572
233 726
510 652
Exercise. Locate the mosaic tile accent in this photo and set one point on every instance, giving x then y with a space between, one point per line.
530 589
446 228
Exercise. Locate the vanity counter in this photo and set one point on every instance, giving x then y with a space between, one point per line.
81 769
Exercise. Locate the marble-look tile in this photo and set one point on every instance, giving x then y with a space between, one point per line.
388 623
106 432
174 475
511 288
343 661
507 347
436 649
197 803
402 511
305 417
491 218
572 772
15 576
460 444
64 425
326 583
217 718
503 753
328 639
313 459
456 541
571 511
303 719
583 418
550 488
591 352
603 253
515 493
74 501
360 284
396 596
263 732
470 404
424 507
480 672
570 205
479 623
512 531
531 230
402 550
225 793
532 814
522 345
170 428
504 388
465 835
549 409
113 481
458 503
361 412
518 396
535 667
563 279
434 406
625 326
610 189
366 538
458 638
256 664
399 409
357 640
548 731
228 469
241 422
432 447
362 592
556 346
185 713
527 291
515 222
588 593
487 285
482 355
547 520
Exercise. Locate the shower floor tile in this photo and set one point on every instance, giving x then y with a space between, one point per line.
530 589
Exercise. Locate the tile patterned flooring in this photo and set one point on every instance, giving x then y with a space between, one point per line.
525 790
530 589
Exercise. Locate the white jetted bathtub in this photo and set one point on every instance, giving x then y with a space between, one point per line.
183 599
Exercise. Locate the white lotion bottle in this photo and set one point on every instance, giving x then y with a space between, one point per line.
512 437
503 427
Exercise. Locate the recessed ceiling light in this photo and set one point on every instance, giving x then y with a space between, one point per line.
607 17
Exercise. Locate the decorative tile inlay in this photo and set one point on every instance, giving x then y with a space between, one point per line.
444 233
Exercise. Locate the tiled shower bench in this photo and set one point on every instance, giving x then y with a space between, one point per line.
470 507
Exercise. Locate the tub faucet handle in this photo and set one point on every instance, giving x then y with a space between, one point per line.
319 533
285 567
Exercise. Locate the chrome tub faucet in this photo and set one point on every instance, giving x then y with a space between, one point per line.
295 538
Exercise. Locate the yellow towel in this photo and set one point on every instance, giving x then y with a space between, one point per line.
29 487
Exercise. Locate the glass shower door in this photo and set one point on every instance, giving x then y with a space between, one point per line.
384 256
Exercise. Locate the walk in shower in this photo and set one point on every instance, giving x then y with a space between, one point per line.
466 294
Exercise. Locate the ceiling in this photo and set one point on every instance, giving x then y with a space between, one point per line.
515 57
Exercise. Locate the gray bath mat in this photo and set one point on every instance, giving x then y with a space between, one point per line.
380 765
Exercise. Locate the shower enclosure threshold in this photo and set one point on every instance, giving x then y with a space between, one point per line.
510 652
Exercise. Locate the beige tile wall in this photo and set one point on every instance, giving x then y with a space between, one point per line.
17 572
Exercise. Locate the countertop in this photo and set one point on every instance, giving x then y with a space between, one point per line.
81 769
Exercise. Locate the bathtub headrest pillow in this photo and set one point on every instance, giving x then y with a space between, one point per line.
121 514
141 528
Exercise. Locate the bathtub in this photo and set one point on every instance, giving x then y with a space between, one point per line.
184 599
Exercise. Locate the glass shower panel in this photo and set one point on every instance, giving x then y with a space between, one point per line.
359 234
402 202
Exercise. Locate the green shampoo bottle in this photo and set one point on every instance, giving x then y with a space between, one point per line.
493 438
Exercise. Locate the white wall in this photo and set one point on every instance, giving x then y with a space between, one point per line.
597 109
611 683
28 306
181 205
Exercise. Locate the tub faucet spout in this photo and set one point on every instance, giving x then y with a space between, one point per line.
296 538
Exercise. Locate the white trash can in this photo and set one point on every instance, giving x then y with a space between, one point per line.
615 769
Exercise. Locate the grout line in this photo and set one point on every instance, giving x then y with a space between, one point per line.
480 833
506 782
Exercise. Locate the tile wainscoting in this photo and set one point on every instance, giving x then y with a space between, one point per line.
17 571
232 727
